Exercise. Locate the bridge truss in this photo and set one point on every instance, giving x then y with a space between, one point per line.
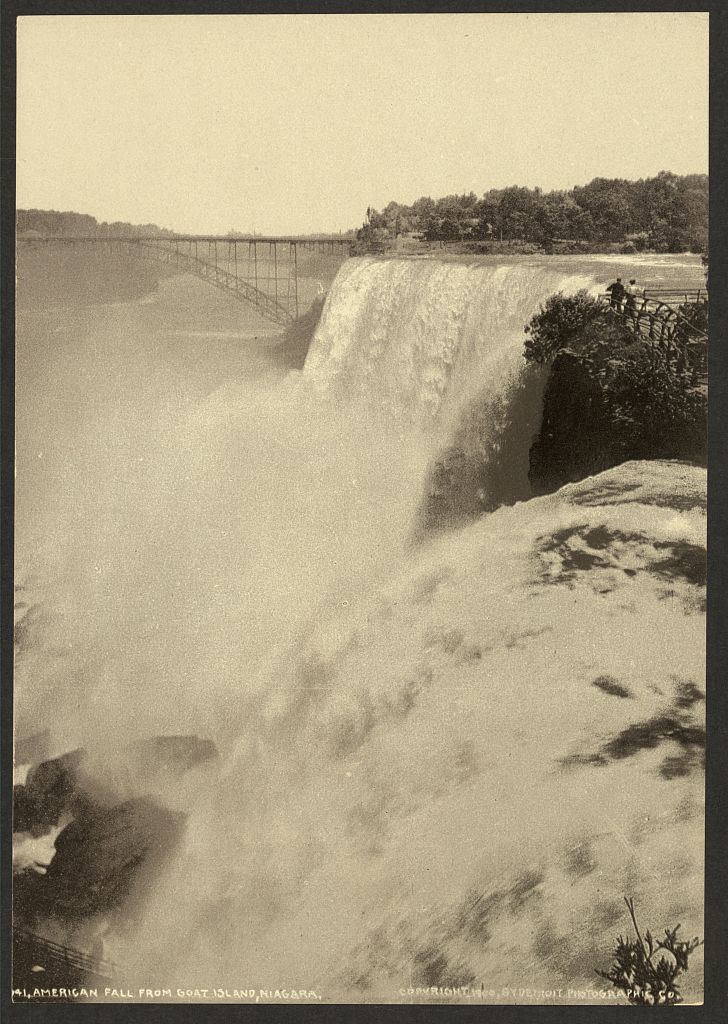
278 276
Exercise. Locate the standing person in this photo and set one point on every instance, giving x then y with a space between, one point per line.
630 306
616 294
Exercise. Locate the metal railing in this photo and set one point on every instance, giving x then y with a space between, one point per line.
222 278
676 295
656 317
52 952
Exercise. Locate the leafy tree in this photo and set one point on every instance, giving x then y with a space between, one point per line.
373 232
53 224
576 322
517 209
667 212
609 202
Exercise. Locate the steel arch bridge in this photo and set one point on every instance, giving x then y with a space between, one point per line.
262 272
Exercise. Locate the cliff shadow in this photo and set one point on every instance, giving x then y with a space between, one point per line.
486 464
292 351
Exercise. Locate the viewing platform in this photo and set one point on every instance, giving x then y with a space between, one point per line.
657 314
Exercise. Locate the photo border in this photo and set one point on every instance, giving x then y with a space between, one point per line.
715 1007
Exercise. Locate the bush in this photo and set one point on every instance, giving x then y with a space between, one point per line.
655 412
610 396
647 979
640 240
572 322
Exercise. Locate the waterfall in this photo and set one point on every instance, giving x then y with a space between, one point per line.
439 344
413 336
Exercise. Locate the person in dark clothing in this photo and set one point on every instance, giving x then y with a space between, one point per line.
616 294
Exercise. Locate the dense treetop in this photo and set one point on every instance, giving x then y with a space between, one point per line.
668 213
55 224
52 223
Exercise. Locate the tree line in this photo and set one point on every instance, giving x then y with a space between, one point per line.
51 223
667 213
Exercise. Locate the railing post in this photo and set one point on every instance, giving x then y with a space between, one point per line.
275 271
295 277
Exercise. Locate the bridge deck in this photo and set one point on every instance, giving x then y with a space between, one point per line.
261 271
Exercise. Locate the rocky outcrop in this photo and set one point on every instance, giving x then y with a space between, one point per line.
297 339
596 416
98 858
82 854
573 440
83 845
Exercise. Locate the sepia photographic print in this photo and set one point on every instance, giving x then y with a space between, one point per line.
361 374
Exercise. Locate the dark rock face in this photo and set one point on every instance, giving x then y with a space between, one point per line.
105 857
100 853
179 753
599 415
581 553
298 337
574 439
98 857
486 465
52 789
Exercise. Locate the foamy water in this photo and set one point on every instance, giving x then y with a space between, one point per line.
181 528
410 336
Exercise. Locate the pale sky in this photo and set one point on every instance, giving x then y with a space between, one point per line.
295 123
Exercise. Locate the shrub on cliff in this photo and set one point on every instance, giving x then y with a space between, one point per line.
655 411
574 322
610 396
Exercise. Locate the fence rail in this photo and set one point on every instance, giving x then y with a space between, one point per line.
655 315
53 953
